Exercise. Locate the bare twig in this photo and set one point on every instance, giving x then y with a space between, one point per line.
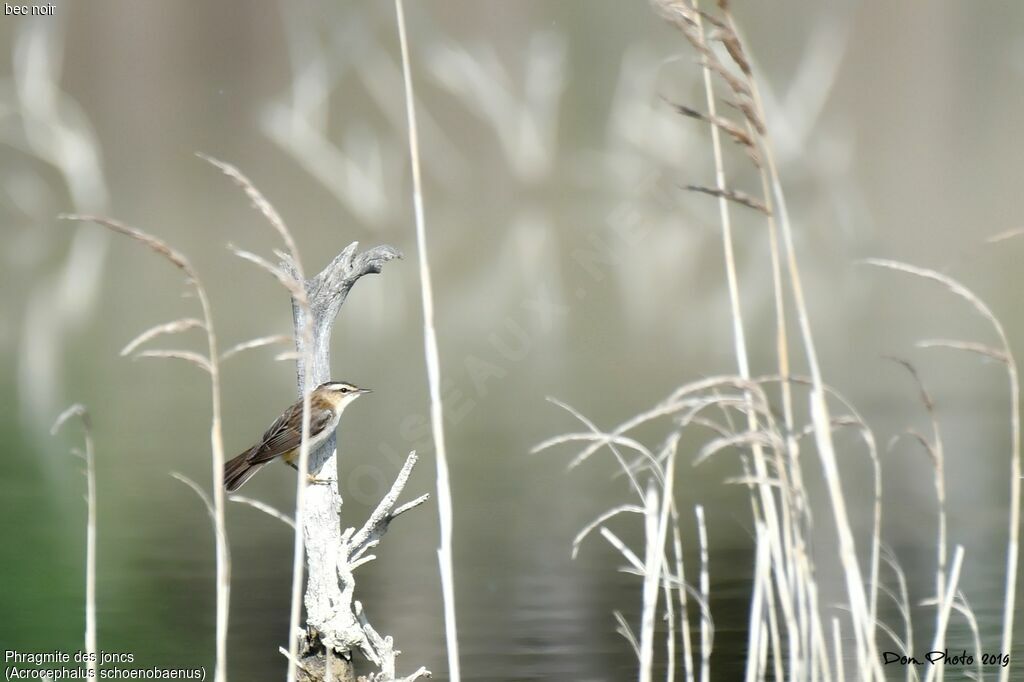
386 648
352 554
373 530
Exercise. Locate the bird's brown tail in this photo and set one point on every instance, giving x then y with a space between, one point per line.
239 470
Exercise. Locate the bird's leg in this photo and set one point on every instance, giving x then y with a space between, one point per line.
313 480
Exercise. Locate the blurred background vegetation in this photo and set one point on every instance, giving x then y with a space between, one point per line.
567 262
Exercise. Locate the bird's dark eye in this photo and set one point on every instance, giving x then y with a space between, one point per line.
344 389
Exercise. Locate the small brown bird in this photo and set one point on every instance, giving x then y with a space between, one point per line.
283 438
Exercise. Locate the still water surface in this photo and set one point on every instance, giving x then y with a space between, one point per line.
526 610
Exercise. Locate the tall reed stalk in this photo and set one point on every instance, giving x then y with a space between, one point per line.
786 617
774 534
292 278
444 495
89 456
210 363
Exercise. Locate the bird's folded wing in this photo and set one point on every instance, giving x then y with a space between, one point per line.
285 434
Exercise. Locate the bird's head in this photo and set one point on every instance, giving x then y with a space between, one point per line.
339 393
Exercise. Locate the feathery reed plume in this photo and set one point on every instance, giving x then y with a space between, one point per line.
79 411
210 363
786 557
292 281
933 448
785 618
778 531
1004 355
444 495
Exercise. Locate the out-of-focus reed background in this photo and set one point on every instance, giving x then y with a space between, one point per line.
567 262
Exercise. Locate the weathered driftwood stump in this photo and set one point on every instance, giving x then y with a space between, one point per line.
335 623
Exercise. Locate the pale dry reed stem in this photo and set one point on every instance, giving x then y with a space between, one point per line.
969 346
964 608
945 606
863 625
739 336
1003 236
294 283
837 649
792 518
627 554
936 454
749 101
265 508
626 632
600 521
661 560
1006 356
175 327
657 517
755 626
444 495
598 434
773 630
293 661
902 602
211 363
794 488
217 441
863 631
221 540
705 595
301 483
78 410
652 574
259 202
197 359
256 343
828 455
684 618
670 630
819 648
767 498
